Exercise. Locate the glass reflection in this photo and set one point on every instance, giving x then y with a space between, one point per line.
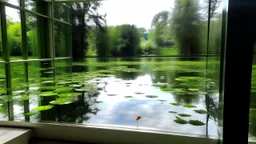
32 37
62 39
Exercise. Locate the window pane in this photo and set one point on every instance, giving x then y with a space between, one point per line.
1 41
61 11
30 5
32 37
14 33
252 116
3 109
14 2
62 39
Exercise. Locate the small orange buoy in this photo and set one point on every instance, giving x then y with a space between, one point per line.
138 118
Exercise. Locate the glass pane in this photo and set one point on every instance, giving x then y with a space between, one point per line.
62 39
30 5
32 37
252 116
3 108
1 47
61 11
14 2
14 33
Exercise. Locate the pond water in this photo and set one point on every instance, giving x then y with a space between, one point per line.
169 94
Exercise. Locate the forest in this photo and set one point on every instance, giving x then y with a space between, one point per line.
181 31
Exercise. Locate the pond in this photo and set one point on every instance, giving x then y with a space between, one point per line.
165 94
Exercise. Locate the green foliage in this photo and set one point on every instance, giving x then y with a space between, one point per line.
44 108
128 96
173 112
63 90
33 42
14 39
185 26
201 111
189 106
184 115
62 101
69 94
181 121
48 94
151 96
175 104
30 114
102 43
196 122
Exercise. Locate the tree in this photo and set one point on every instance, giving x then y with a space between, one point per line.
14 39
83 16
185 25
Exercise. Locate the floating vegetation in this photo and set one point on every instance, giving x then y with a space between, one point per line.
151 96
48 94
175 104
196 122
48 88
62 101
30 114
44 108
76 86
184 115
193 90
74 94
112 94
64 83
189 106
63 90
161 100
25 97
128 96
99 102
173 112
201 111
139 93
179 90
160 85
167 89
129 70
2 92
181 121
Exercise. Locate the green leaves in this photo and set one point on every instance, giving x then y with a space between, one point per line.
44 108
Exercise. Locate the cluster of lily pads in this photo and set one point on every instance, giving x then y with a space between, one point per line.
179 116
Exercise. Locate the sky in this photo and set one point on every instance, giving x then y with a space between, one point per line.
137 12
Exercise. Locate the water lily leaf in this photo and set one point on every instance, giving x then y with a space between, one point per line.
151 96
196 122
62 101
74 94
46 94
30 114
181 121
173 112
175 104
184 115
189 106
44 108
201 111
128 96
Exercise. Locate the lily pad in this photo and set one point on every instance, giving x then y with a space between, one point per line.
25 97
47 88
189 106
62 101
30 114
184 115
74 94
128 96
139 93
175 104
48 94
196 122
63 90
201 111
167 89
193 90
160 85
181 121
112 94
161 100
99 102
151 96
173 112
44 108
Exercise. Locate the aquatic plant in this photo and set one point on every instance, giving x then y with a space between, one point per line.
173 112
175 104
99 102
189 106
25 97
47 88
196 122
30 114
201 111
62 101
128 96
63 90
48 94
151 96
180 121
139 93
44 108
167 89
193 90
74 94
184 115
111 94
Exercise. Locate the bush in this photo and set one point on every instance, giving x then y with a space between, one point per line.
147 48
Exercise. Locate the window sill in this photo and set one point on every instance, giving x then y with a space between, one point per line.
107 134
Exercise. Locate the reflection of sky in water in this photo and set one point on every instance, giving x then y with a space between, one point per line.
117 110
120 111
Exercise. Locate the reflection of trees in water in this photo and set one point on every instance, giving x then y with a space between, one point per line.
187 99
